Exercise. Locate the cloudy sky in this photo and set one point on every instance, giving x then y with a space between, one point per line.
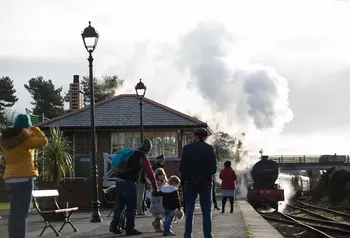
216 59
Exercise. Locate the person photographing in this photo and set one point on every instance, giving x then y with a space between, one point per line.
19 144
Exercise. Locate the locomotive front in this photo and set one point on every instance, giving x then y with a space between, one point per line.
265 190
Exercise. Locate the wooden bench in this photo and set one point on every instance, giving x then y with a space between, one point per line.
50 212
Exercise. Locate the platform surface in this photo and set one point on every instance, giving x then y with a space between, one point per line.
244 222
257 225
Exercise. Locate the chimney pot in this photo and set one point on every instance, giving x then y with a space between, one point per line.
75 78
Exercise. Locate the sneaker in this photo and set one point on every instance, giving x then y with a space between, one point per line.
134 232
170 233
115 231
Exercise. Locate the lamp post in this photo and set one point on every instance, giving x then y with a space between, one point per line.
90 38
140 89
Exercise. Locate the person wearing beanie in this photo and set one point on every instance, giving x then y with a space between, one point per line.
126 191
18 144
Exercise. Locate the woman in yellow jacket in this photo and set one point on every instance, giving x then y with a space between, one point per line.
18 145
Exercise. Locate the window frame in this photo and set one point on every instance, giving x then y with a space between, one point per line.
153 135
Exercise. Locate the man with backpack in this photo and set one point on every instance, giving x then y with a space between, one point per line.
127 165
198 165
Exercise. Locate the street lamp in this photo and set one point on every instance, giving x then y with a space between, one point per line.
140 89
90 38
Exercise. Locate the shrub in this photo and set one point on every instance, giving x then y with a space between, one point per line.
55 161
322 187
338 185
332 185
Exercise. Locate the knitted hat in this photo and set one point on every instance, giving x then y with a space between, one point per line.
179 214
146 145
22 121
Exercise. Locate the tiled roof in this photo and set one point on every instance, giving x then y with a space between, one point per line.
124 111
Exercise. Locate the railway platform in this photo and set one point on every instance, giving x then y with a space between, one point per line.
257 225
245 222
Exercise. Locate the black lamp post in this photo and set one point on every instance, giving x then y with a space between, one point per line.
140 89
90 38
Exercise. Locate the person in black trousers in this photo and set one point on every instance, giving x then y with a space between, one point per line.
214 195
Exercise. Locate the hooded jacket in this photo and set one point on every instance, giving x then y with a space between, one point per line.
18 146
171 199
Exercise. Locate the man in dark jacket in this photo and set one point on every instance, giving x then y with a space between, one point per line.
126 192
197 166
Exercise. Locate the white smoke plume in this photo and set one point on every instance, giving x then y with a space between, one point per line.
242 169
289 192
204 73
244 92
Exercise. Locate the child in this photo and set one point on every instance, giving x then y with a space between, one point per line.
171 202
156 203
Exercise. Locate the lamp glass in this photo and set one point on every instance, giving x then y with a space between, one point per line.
141 93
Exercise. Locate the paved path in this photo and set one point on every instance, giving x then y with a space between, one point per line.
224 225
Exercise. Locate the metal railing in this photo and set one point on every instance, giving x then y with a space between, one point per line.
297 159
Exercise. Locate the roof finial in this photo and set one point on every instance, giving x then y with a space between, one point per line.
89 23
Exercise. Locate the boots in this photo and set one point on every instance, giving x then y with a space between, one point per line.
231 204
223 204
157 225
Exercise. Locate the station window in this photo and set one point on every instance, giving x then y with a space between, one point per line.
162 142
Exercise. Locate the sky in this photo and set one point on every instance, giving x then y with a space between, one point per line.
277 70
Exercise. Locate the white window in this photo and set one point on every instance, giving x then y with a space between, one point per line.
162 142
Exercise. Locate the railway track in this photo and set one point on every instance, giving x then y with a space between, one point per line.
337 213
318 227
311 213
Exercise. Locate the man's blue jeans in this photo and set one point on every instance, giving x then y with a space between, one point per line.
126 195
205 197
20 200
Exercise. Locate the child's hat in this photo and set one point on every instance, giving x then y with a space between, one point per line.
179 214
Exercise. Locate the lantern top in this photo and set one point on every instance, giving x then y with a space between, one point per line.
89 31
90 38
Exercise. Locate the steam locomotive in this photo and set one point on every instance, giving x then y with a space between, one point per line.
268 184
264 190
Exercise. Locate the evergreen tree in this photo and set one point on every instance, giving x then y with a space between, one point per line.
47 99
8 96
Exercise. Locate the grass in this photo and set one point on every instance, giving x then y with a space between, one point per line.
4 206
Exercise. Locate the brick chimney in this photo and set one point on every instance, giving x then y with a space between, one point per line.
76 94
